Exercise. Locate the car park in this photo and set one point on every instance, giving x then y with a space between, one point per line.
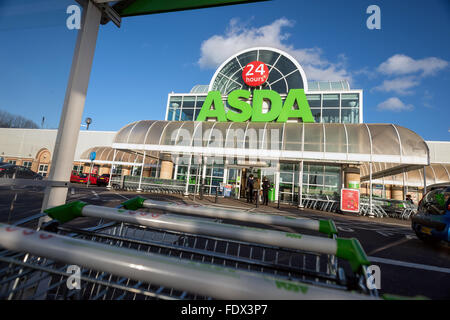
431 224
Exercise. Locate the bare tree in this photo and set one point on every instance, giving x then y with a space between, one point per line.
8 120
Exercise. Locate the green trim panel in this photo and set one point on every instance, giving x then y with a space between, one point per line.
134 203
141 7
66 212
328 227
351 250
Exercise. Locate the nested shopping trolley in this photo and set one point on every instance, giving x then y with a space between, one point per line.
134 252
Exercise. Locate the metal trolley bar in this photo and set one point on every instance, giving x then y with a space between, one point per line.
348 249
199 278
289 263
323 226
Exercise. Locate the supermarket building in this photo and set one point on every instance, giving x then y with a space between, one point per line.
304 136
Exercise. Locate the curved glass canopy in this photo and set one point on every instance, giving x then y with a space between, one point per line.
434 173
105 155
285 72
336 142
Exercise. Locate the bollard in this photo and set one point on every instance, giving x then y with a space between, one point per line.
216 200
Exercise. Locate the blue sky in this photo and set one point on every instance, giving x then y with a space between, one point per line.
404 68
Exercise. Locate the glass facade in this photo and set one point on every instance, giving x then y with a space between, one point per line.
321 179
317 179
214 176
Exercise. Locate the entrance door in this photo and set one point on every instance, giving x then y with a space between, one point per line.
246 172
234 179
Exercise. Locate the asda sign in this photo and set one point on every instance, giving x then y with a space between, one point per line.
294 107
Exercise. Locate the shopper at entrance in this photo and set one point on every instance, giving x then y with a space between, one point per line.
409 199
250 187
265 187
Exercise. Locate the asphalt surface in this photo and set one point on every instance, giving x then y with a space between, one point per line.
408 266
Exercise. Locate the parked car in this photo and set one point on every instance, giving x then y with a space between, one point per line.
103 180
432 221
78 177
19 172
92 178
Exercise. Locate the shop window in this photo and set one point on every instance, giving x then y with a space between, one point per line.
188 102
187 114
331 101
27 164
317 115
330 115
136 171
286 166
117 170
78 168
350 115
174 109
43 168
350 100
12 161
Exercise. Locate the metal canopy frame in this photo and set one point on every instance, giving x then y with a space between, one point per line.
130 8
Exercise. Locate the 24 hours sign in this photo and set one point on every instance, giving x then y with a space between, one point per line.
255 73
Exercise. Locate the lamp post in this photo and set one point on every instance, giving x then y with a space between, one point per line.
174 106
88 122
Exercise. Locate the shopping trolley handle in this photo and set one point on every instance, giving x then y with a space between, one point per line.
134 203
350 249
328 227
66 212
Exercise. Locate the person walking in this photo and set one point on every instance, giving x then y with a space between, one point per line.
409 199
250 186
265 187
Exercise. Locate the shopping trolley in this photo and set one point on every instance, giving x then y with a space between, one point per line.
323 226
126 257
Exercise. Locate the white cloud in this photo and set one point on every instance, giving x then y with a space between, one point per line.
399 85
401 64
394 104
218 48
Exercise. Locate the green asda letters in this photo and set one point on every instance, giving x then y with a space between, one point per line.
242 111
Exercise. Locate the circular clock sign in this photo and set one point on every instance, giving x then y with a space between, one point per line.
255 73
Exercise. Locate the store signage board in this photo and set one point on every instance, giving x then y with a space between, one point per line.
350 200
213 107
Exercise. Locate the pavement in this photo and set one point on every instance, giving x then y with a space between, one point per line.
408 266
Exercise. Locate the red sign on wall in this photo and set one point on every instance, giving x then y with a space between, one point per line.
255 73
350 200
